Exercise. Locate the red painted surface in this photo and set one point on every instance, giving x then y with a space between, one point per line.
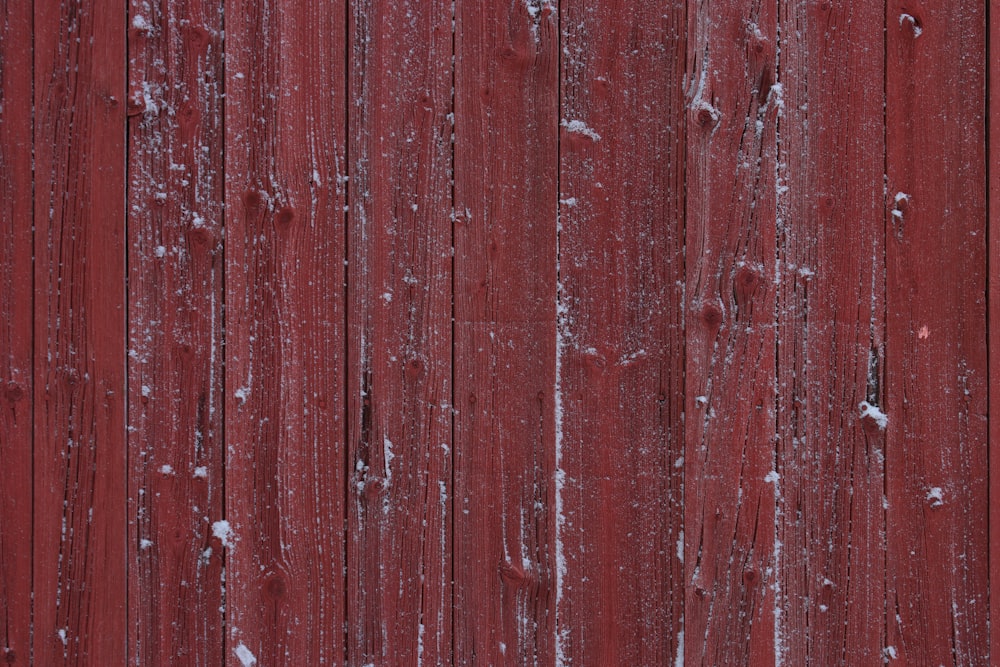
175 317
398 333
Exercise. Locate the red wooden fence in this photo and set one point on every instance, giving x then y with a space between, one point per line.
402 332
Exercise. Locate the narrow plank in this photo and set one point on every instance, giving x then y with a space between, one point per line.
175 267
831 313
15 332
936 364
399 326
506 499
993 325
621 361
731 485
79 365
284 405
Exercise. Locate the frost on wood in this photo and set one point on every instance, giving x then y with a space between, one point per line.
223 531
873 411
246 657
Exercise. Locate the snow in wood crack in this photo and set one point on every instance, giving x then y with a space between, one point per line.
245 655
223 531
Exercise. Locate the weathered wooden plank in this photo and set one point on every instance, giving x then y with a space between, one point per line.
79 335
621 358
831 310
993 325
731 485
16 405
399 333
936 365
175 193
506 499
284 405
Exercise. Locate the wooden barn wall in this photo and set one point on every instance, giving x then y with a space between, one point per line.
528 332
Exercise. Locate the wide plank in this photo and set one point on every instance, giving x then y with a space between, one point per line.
175 316
731 482
621 345
507 499
285 124
399 333
936 377
79 546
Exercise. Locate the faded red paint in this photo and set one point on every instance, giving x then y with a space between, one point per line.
399 332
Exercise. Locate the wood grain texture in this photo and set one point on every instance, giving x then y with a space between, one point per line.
284 405
79 332
831 347
621 273
16 343
175 197
506 165
993 311
936 364
399 333
731 485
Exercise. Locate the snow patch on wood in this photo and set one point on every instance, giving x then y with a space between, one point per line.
223 531
873 411
246 657
580 127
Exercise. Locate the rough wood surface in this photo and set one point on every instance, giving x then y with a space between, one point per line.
731 485
16 344
993 325
284 405
399 333
831 347
363 332
506 503
621 358
79 536
936 377
175 272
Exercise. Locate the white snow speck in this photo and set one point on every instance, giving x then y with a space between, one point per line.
890 653
201 471
145 544
680 546
579 127
62 635
139 22
917 30
679 658
387 297
146 391
772 477
242 393
901 198
223 531
936 496
160 251
247 658
167 469
869 410
569 202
